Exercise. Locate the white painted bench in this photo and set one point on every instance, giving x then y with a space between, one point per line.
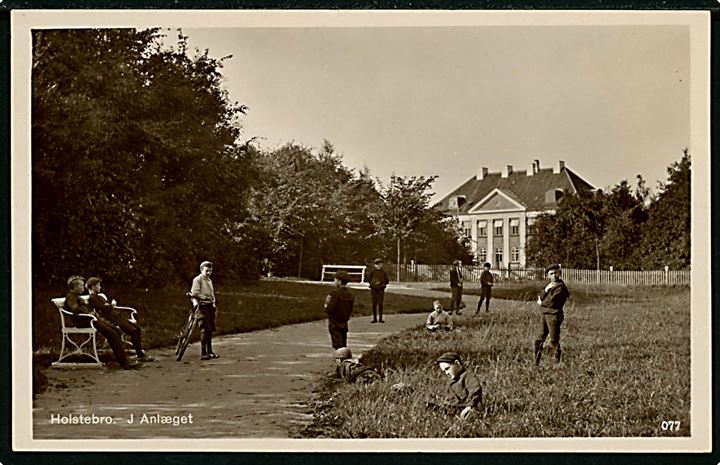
352 270
88 347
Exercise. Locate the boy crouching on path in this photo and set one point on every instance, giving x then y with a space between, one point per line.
465 387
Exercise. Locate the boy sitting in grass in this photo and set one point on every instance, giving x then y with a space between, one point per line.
351 370
465 389
439 318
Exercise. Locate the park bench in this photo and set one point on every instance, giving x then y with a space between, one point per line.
88 346
355 271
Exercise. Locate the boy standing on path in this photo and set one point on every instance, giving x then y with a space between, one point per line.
551 299
456 287
339 307
202 289
378 280
486 283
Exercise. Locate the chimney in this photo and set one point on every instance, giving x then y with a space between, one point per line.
559 167
534 168
482 173
507 171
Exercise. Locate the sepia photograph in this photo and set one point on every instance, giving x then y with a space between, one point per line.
403 231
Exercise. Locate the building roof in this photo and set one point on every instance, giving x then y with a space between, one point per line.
529 191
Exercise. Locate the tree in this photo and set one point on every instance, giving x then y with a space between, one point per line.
619 228
137 169
313 208
666 234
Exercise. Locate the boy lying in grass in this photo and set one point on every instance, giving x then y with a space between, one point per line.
351 370
465 389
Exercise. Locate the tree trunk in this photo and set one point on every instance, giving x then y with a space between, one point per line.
398 260
302 242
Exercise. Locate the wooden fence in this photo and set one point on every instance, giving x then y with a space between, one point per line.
471 274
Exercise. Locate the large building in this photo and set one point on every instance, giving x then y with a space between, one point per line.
497 210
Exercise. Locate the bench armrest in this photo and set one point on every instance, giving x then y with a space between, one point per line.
91 318
131 312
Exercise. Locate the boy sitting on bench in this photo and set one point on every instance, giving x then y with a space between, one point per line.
106 311
74 304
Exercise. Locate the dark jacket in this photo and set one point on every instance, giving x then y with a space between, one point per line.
554 299
378 279
103 308
339 305
486 279
352 371
455 277
466 390
74 304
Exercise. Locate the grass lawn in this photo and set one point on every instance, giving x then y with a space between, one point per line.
161 313
626 369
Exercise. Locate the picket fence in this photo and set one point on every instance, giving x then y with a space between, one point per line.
471 274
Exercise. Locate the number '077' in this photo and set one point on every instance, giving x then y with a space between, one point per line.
672 425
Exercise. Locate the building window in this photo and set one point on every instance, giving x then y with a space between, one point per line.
498 255
515 254
498 225
481 254
530 226
482 228
467 228
515 227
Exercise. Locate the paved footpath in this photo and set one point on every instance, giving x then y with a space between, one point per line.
259 388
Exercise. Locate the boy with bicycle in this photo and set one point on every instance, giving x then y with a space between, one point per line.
202 290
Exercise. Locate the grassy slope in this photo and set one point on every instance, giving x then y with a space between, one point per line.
626 369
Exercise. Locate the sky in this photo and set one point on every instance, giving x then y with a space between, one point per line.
611 101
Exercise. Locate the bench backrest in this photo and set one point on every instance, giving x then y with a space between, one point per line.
60 304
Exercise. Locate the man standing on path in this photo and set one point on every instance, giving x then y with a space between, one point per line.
486 283
551 299
378 280
339 307
202 289
456 287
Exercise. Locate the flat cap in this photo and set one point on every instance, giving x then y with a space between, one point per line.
449 357
549 268
378 260
92 281
74 278
343 276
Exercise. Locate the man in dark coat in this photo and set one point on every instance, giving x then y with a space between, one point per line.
339 307
456 287
378 280
486 283
551 299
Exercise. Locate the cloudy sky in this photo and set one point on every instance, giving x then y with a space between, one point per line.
611 101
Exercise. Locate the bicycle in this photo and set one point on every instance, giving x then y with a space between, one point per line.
187 330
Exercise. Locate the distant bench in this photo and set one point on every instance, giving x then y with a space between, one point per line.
88 346
352 270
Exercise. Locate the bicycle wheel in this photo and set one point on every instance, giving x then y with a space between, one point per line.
184 339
